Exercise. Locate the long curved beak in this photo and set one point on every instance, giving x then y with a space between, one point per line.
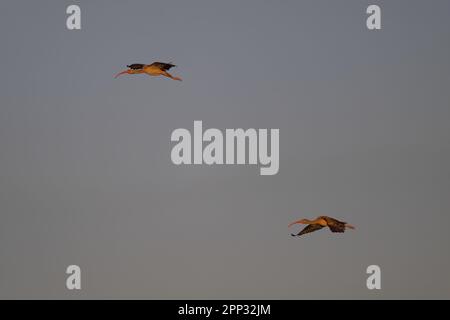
295 222
120 73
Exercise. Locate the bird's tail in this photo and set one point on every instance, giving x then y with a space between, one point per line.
177 78
349 226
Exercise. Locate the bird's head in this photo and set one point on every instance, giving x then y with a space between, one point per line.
302 221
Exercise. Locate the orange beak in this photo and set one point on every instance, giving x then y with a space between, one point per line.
295 222
120 73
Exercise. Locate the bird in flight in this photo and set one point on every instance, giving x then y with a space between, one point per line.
321 222
154 69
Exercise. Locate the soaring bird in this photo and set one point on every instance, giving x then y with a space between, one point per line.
320 222
154 69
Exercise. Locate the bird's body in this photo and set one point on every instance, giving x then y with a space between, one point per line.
320 222
154 69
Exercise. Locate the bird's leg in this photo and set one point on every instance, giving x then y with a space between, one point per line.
168 75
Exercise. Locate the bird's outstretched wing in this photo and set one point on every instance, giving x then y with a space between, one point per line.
162 65
136 66
309 228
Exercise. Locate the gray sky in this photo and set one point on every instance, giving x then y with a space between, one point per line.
85 170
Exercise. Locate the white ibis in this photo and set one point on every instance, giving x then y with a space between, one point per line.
321 222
